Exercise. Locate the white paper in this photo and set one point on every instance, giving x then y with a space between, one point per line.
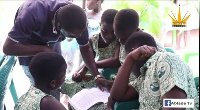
86 98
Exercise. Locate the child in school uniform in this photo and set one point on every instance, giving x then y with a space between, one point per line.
159 76
38 96
105 46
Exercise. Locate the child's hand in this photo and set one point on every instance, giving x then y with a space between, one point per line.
100 82
143 53
87 77
80 74
108 85
76 77
83 71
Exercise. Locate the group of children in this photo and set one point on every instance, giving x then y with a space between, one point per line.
120 45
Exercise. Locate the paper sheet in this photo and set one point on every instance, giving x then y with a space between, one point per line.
86 98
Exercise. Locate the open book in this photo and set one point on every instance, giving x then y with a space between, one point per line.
86 98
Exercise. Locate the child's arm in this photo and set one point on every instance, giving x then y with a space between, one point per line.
110 104
50 103
180 94
77 76
80 74
121 90
107 63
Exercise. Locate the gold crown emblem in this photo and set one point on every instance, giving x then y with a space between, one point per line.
179 22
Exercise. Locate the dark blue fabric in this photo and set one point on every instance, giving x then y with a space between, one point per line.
33 25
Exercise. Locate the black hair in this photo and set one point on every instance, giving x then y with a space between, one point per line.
71 17
102 1
108 16
46 66
126 19
138 39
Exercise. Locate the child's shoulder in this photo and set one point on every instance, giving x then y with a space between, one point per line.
95 36
94 39
31 99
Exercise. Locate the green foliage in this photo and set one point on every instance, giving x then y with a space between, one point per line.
121 4
153 13
153 3
149 11
150 19
197 7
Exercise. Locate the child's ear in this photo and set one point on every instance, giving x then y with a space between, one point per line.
52 84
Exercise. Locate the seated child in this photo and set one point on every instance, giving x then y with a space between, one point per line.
159 75
105 46
38 96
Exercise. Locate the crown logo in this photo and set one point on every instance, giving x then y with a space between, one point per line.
179 22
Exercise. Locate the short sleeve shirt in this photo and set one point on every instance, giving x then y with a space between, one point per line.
159 75
104 53
33 25
30 100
